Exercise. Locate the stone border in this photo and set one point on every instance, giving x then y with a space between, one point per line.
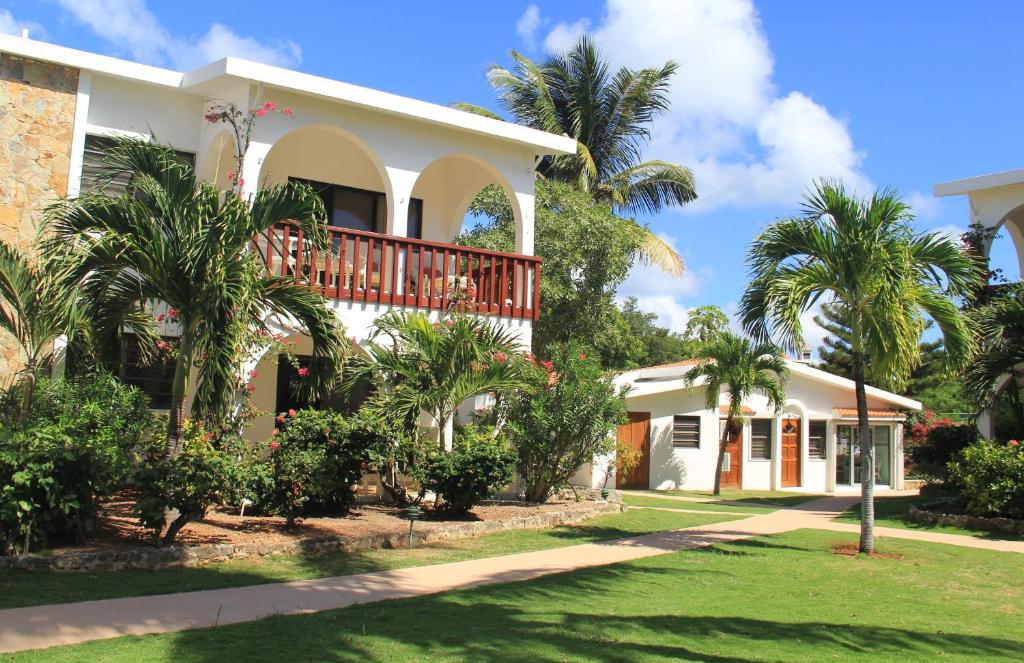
151 559
966 521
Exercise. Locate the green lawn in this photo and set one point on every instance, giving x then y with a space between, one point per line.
780 598
664 503
24 588
751 497
892 512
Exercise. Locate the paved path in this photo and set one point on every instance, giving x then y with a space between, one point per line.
69 623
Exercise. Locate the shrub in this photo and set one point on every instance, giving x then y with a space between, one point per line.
475 468
990 477
185 486
249 476
316 459
565 423
943 444
79 445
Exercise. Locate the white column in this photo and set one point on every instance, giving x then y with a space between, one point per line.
78 134
251 166
402 183
525 223
986 424
776 461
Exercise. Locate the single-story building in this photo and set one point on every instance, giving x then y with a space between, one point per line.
811 445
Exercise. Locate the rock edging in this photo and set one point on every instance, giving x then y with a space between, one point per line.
966 521
151 559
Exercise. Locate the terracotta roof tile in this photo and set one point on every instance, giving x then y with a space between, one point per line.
852 412
724 409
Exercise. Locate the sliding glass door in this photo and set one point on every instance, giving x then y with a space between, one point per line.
848 455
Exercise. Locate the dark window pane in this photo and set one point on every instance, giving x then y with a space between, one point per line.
416 218
686 432
94 170
155 379
354 209
816 439
761 438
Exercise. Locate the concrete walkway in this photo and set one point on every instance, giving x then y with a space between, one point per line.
69 623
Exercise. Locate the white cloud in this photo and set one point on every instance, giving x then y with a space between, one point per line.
132 27
747 143
659 293
926 206
527 26
950 230
9 25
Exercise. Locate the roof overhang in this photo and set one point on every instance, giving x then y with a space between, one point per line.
979 183
211 79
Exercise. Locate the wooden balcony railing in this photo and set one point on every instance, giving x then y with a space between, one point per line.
400 271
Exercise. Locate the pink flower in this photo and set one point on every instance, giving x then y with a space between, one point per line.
269 105
162 345
500 357
252 373
354 340
303 372
292 412
279 418
212 117
548 366
275 445
261 112
288 112
1014 443
250 388
208 436
450 323
583 356
160 318
231 175
172 313
241 182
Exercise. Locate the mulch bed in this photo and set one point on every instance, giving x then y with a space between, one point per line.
853 549
117 527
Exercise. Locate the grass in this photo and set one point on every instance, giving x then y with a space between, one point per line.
780 598
663 503
20 588
752 497
894 512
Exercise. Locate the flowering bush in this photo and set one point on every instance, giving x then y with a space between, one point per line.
476 467
922 423
564 423
942 445
990 477
242 124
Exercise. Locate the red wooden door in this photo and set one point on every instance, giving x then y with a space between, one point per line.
635 437
790 452
732 464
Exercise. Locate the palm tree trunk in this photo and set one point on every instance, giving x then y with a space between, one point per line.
867 455
176 418
27 393
721 453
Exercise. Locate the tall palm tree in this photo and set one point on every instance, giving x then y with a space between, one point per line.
173 238
742 368
433 367
37 307
999 365
863 254
609 114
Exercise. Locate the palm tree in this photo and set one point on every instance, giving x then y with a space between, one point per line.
863 254
434 367
37 307
999 365
173 238
741 367
576 94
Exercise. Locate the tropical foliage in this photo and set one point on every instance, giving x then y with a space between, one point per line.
864 254
173 238
741 368
990 477
609 114
997 370
478 465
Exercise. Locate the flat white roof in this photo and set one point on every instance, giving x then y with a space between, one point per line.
204 80
990 181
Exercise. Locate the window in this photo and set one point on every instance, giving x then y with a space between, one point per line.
685 432
154 379
761 439
848 454
816 439
360 209
93 168
287 386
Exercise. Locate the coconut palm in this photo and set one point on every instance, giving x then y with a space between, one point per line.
999 365
609 114
863 254
173 238
37 307
742 368
433 367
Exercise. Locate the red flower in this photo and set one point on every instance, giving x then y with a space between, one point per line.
261 112
583 356
231 176
303 372
250 388
212 117
162 345
241 182
500 357
252 373
275 445
279 418
160 318
1014 443
292 412
269 105
172 313
548 366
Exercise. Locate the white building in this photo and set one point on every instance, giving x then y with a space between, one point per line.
811 445
396 174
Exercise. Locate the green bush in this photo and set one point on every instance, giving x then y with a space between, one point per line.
990 477
185 486
79 445
475 468
316 458
562 426
249 473
943 444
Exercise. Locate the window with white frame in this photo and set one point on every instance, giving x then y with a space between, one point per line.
816 439
761 439
685 432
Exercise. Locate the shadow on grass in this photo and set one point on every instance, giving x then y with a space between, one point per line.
896 510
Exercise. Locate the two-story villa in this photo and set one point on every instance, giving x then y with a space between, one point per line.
396 175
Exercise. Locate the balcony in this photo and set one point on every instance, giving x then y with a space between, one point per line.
374 268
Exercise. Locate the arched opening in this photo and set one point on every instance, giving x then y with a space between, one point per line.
218 160
1007 257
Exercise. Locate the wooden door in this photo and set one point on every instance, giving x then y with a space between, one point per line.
635 437
790 452
732 464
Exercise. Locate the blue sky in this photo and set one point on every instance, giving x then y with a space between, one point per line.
769 95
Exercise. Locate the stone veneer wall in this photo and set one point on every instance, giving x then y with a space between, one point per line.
37 117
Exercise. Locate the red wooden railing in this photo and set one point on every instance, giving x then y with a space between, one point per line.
375 268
